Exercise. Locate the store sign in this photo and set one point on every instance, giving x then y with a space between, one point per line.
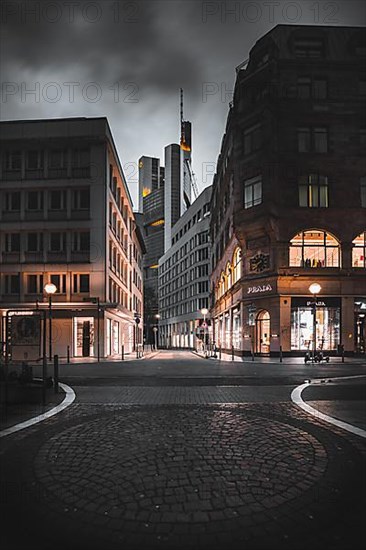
259 289
320 302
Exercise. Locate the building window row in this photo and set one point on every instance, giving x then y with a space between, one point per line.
54 241
34 283
55 199
54 163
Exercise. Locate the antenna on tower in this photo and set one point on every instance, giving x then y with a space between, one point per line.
181 105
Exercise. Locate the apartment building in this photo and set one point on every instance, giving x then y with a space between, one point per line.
66 218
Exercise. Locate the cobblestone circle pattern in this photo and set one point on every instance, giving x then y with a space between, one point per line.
192 468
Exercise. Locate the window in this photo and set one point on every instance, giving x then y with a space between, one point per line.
314 249
81 158
12 242
34 200
313 191
308 47
252 139
13 161
303 140
34 160
57 242
12 201
12 284
362 88
60 282
363 191
359 251
81 241
81 283
34 242
237 265
56 158
252 192
312 140
81 199
308 88
57 199
362 136
34 284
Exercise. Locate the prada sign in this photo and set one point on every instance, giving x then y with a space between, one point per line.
259 289
320 302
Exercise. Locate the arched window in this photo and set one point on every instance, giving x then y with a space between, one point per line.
228 275
237 265
359 251
314 249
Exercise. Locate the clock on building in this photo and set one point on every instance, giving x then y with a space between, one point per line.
259 262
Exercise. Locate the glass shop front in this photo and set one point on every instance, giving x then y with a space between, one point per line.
328 323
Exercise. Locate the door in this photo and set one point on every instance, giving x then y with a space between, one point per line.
262 333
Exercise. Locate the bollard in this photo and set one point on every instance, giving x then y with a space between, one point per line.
280 354
44 378
68 354
55 372
232 353
342 355
252 354
123 353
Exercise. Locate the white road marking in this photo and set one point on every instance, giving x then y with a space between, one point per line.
69 398
297 399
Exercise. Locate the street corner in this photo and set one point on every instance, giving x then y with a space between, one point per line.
180 477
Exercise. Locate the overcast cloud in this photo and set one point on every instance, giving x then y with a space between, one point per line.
127 60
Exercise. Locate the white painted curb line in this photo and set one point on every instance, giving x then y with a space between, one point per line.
297 399
69 398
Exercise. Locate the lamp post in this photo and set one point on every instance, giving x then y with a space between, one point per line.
204 312
155 329
314 288
50 289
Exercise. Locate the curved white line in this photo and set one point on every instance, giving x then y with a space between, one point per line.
297 399
69 398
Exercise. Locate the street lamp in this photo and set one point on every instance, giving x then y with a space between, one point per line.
204 312
315 289
50 289
155 330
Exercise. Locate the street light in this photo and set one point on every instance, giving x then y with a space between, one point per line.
315 289
50 289
204 312
155 330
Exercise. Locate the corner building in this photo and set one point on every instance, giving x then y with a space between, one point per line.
66 218
289 197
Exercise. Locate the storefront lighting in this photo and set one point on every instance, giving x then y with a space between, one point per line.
315 288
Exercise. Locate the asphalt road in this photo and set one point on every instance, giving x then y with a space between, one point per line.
177 452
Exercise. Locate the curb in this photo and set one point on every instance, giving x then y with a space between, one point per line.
297 399
69 399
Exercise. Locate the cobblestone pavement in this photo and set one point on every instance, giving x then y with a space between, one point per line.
248 476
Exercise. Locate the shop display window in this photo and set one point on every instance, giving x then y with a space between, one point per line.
314 249
327 328
359 251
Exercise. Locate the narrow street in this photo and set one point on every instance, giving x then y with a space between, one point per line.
159 454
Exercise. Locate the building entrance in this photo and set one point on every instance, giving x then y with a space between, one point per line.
262 333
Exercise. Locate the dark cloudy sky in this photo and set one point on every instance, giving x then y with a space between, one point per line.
127 60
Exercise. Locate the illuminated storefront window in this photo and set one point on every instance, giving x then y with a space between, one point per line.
314 249
327 323
236 329
359 251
